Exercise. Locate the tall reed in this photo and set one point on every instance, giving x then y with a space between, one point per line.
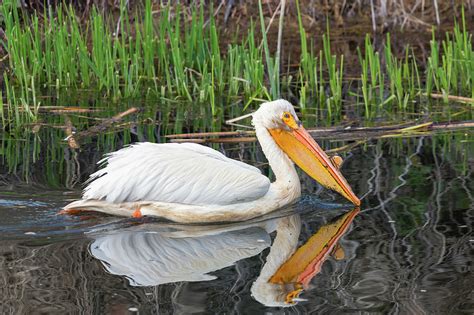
166 57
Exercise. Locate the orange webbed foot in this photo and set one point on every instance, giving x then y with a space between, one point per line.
137 213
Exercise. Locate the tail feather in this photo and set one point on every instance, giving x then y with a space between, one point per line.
99 206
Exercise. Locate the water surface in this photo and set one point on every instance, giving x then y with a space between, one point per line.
408 250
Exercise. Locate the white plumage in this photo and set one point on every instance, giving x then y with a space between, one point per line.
176 173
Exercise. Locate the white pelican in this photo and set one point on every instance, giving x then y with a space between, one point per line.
191 183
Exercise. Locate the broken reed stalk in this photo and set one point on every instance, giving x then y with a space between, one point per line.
215 140
210 134
73 138
310 130
231 122
107 123
70 110
346 147
456 98
359 134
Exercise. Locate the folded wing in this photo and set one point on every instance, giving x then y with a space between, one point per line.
178 173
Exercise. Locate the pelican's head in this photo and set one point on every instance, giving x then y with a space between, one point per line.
274 115
280 119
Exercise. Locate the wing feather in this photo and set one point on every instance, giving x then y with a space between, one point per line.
178 173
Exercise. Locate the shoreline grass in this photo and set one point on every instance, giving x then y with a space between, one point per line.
172 59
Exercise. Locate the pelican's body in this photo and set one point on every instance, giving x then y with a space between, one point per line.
194 183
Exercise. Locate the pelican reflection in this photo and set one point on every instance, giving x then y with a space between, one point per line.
158 253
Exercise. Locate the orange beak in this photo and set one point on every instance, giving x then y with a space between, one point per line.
300 147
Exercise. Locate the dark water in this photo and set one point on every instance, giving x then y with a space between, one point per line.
408 251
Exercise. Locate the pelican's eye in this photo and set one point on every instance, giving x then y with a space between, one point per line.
289 120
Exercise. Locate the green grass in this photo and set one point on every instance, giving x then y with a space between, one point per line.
170 58
451 63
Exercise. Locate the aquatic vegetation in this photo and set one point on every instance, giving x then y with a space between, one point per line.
174 58
452 70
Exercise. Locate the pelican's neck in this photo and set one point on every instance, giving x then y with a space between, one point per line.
284 245
282 166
